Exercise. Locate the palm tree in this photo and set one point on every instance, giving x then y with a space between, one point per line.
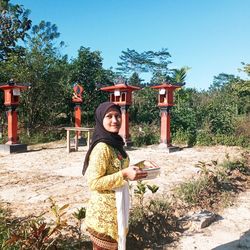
179 75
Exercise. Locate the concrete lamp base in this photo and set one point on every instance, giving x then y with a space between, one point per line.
169 149
13 148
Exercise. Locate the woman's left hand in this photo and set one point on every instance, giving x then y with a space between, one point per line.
134 173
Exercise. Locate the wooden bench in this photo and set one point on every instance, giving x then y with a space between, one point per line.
79 129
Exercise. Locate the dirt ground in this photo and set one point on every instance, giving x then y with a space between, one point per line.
27 180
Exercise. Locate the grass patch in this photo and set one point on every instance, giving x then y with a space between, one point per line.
215 185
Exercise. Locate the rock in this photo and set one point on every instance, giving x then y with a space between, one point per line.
199 220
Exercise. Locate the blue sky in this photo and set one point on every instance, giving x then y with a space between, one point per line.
209 36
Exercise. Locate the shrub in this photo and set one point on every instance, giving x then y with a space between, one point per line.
184 137
42 136
190 191
4 228
152 225
151 221
240 164
204 138
145 134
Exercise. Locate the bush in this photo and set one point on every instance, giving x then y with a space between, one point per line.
240 165
145 134
204 138
4 228
42 136
190 191
184 137
151 225
34 232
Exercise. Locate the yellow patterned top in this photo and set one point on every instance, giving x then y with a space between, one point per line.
103 176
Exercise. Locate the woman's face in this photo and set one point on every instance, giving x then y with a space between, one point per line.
112 121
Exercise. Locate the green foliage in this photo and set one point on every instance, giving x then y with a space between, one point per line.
87 70
144 108
214 180
147 61
220 118
153 188
14 24
152 226
145 134
135 80
48 99
80 214
179 75
42 136
221 81
190 191
140 191
35 233
204 138
151 222
217 116
184 137
4 228
239 164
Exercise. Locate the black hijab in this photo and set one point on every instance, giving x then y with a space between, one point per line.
102 135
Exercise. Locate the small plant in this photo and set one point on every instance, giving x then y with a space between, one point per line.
204 168
239 165
140 191
35 233
4 228
152 225
153 188
80 215
190 191
145 135
58 212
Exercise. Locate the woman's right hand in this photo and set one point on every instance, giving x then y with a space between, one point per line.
134 173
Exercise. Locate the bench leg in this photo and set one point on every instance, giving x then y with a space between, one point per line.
88 140
76 142
68 142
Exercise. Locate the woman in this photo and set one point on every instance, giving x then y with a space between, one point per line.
107 167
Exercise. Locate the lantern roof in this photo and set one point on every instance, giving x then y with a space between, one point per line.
120 86
11 85
166 85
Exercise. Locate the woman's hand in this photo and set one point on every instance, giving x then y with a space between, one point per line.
134 173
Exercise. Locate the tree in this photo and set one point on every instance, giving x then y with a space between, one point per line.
148 61
135 80
14 24
179 75
144 108
87 70
159 78
44 67
221 81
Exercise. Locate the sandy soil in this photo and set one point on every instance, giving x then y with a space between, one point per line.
27 180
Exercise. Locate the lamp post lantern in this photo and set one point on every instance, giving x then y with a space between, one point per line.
77 100
165 103
121 94
11 101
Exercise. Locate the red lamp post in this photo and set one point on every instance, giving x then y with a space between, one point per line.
77 100
11 101
121 94
165 103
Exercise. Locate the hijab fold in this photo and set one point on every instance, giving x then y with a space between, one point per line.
102 135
